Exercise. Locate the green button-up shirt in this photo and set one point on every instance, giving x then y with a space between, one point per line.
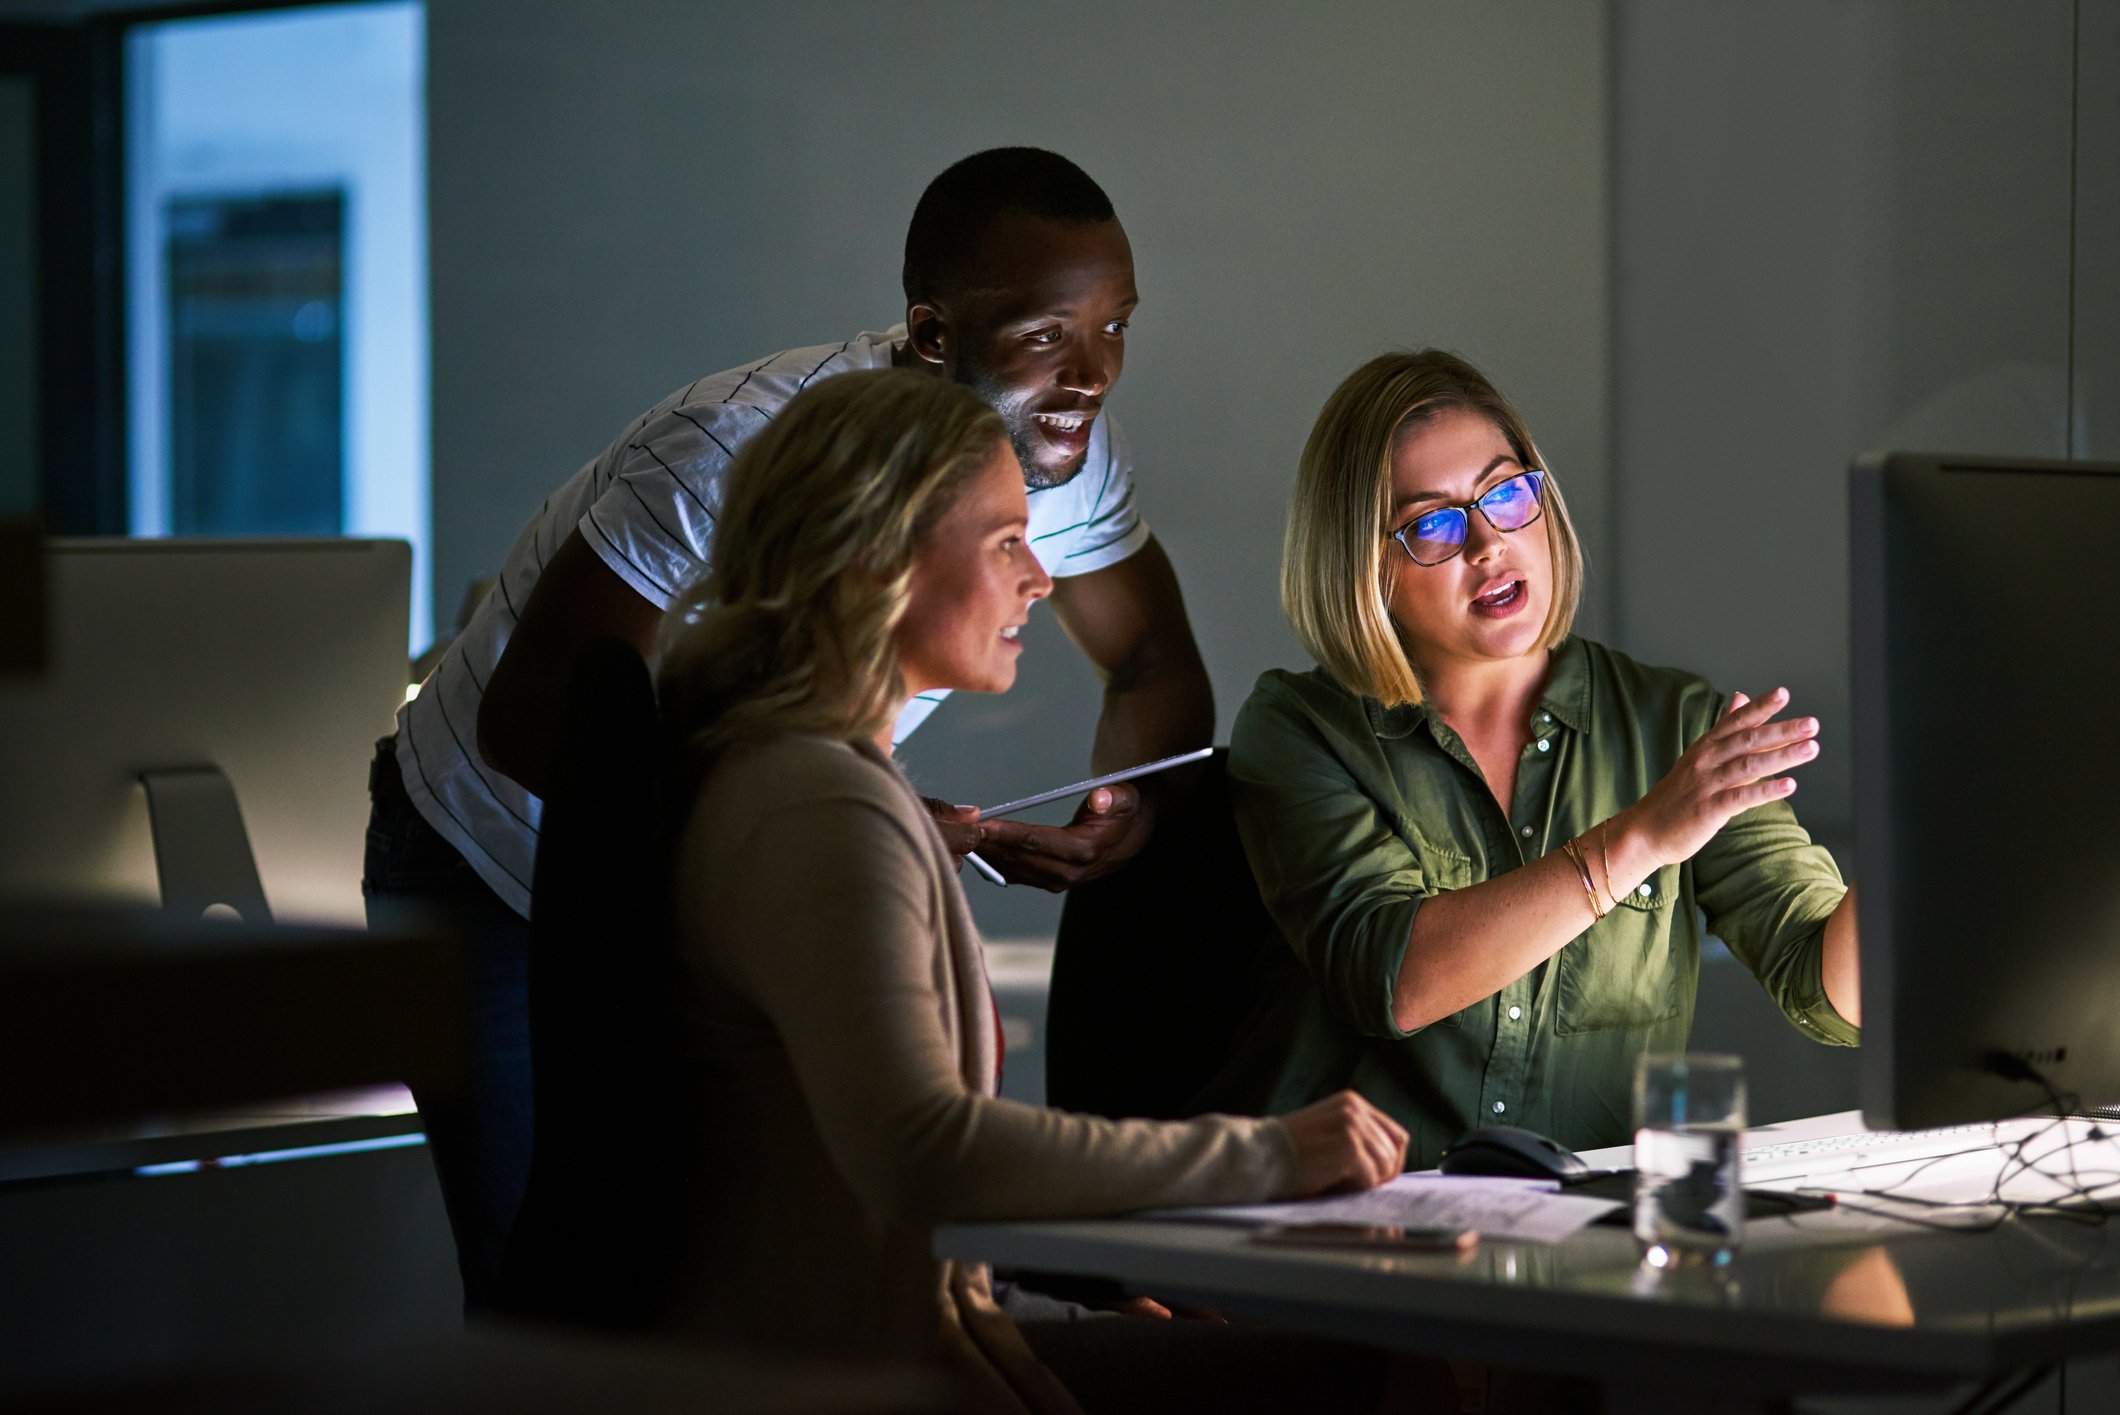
1354 814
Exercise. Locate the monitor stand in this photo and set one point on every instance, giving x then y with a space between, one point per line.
202 852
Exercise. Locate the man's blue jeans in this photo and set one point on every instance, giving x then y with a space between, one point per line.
480 1137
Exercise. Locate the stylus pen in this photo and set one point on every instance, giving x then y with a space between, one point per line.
993 875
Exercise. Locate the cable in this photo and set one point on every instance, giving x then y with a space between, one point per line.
1999 1393
2080 1200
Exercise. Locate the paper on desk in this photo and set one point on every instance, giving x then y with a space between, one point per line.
1525 1210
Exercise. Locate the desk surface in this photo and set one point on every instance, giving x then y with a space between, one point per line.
1826 1302
370 1114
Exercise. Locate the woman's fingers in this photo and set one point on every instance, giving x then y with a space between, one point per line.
1739 799
1366 1172
1740 735
1344 1143
1391 1145
1395 1134
1383 1144
1768 736
1745 710
1752 766
1736 765
1389 1158
958 824
1745 714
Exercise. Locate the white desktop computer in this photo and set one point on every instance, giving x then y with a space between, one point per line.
200 733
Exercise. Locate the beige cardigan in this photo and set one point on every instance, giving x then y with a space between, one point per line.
844 1039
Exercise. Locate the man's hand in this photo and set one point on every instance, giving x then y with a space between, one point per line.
957 824
1109 828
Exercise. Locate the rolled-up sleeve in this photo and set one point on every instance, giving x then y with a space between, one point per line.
1767 891
1342 883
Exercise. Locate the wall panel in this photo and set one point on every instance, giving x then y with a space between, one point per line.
625 197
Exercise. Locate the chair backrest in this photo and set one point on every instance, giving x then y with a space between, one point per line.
595 1240
1159 965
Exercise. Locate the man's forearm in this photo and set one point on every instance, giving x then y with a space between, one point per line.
577 601
1154 713
519 722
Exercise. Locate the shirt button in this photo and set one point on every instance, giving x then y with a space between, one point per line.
1525 832
1544 745
1498 1107
1645 891
1515 1012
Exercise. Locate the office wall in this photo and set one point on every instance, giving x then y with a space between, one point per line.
19 378
1838 227
1719 250
2095 307
625 197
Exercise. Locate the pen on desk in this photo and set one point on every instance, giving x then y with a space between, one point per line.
993 875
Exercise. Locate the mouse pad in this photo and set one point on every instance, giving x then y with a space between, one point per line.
1619 1184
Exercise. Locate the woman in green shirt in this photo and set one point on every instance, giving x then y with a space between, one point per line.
1487 840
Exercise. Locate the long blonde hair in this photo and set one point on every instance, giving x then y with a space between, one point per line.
792 627
1335 570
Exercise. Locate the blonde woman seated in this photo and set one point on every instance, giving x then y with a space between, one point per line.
871 546
1485 838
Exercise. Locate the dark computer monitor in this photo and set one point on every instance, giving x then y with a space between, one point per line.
207 708
1986 644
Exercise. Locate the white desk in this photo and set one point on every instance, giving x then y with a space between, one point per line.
1819 1303
369 1116
129 1041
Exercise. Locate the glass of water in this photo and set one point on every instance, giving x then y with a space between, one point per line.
1689 1125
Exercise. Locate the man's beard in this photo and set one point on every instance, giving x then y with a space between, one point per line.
1023 434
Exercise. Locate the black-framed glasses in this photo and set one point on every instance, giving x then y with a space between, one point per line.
1434 536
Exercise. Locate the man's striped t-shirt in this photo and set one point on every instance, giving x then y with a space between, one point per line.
646 506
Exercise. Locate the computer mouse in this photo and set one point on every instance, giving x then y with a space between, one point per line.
1510 1151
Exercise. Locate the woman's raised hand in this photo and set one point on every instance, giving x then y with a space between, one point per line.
1344 1143
1737 765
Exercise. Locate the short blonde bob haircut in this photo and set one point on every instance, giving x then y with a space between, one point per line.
792 629
1337 560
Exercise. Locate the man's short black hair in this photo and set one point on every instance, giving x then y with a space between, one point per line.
959 205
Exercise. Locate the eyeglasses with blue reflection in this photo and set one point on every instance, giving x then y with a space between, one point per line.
1435 536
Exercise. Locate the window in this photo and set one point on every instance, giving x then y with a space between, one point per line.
276 324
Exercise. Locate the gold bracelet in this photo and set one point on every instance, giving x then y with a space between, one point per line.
1604 858
1582 872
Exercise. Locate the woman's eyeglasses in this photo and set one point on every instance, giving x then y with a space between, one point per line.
1434 536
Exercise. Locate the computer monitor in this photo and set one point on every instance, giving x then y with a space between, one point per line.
1986 645
266 666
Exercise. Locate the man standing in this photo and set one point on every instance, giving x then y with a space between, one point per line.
1019 284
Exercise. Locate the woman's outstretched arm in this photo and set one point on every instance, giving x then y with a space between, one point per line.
1369 918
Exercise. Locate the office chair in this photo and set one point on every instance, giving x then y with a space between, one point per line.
594 1241
1159 966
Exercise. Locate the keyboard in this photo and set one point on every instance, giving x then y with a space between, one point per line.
1837 1154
